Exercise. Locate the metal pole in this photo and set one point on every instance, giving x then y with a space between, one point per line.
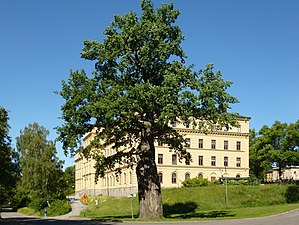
132 207
226 194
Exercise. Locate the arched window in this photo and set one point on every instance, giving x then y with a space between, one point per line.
200 176
238 176
187 176
213 177
173 178
160 176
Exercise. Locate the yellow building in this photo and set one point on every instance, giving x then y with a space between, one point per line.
217 154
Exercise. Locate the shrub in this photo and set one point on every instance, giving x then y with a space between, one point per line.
292 193
237 182
196 182
254 181
59 207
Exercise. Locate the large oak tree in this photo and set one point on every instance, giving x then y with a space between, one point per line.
139 86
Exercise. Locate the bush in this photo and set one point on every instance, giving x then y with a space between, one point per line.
292 193
254 181
59 207
237 182
195 182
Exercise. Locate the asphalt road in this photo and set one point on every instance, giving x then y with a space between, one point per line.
13 218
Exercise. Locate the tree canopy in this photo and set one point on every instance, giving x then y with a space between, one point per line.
275 146
139 86
69 177
9 168
42 175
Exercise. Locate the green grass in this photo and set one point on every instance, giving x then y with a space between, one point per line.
200 203
58 207
29 211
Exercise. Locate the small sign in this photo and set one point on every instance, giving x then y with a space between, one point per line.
85 199
131 195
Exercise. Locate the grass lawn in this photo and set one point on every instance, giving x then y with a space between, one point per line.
203 203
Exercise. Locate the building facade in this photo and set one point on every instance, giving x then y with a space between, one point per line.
289 173
214 155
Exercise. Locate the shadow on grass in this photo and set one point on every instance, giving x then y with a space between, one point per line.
176 211
211 214
179 208
187 211
113 218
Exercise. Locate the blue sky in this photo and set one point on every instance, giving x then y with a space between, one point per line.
254 43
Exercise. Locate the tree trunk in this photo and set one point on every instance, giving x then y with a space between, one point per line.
149 189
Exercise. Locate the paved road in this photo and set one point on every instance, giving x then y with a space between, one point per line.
13 218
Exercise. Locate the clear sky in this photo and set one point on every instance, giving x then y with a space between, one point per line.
254 43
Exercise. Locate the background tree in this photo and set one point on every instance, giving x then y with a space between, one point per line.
140 85
277 146
42 175
69 177
9 168
259 160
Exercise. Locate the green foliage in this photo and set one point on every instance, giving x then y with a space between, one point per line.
254 181
139 86
195 182
69 180
237 182
29 211
274 146
292 193
9 167
59 207
140 75
42 175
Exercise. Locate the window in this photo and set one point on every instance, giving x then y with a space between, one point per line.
160 158
174 159
200 176
173 124
238 162
173 178
187 160
187 125
200 160
160 142
239 129
213 160
214 127
225 161
187 176
238 145
213 144
225 145
200 143
188 142
213 179
160 176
